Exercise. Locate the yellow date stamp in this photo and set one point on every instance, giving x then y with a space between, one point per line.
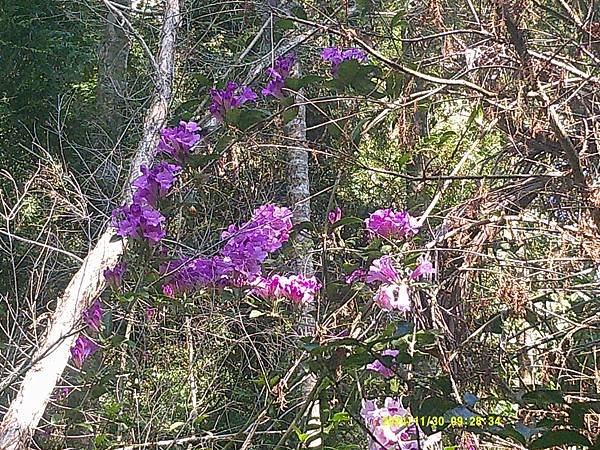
440 421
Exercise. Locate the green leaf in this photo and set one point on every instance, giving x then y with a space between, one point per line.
289 114
340 417
403 159
285 24
348 71
117 340
249 117
475 116
560 437
578 410
357 132
307 80
347 221
201 79
359 359
299 12
223 142
398 20
506 432
187 109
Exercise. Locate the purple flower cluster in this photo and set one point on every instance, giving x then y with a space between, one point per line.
141 219
114 276
378 366
226 99
296 288
139 222
391 224
387 425
84 348
154 183
336 56
178 141
189 274
246 248
278 73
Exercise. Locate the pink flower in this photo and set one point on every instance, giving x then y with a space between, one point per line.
393 296
378 366
300 290
423 268
391 224
334 215
150 312
382 270
266 288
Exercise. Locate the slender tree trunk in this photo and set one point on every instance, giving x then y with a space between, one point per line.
50 360
299 193
112 71
111 90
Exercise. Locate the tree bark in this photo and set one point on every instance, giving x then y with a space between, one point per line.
112 80
299 194
111 90
50 360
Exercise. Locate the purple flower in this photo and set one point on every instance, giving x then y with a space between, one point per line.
189 274
62 393
154 183
299 289
239 262
378 366
334 215
391 224
423 268
224 100
248 246
139 222
382 270
83 349
278 73
178 141
93 315
114 276
393 296
357 275
336 56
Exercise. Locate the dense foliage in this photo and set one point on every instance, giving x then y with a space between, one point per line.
455 212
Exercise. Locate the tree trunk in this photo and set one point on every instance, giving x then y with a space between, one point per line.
299 193
52 357
111 89
112 72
